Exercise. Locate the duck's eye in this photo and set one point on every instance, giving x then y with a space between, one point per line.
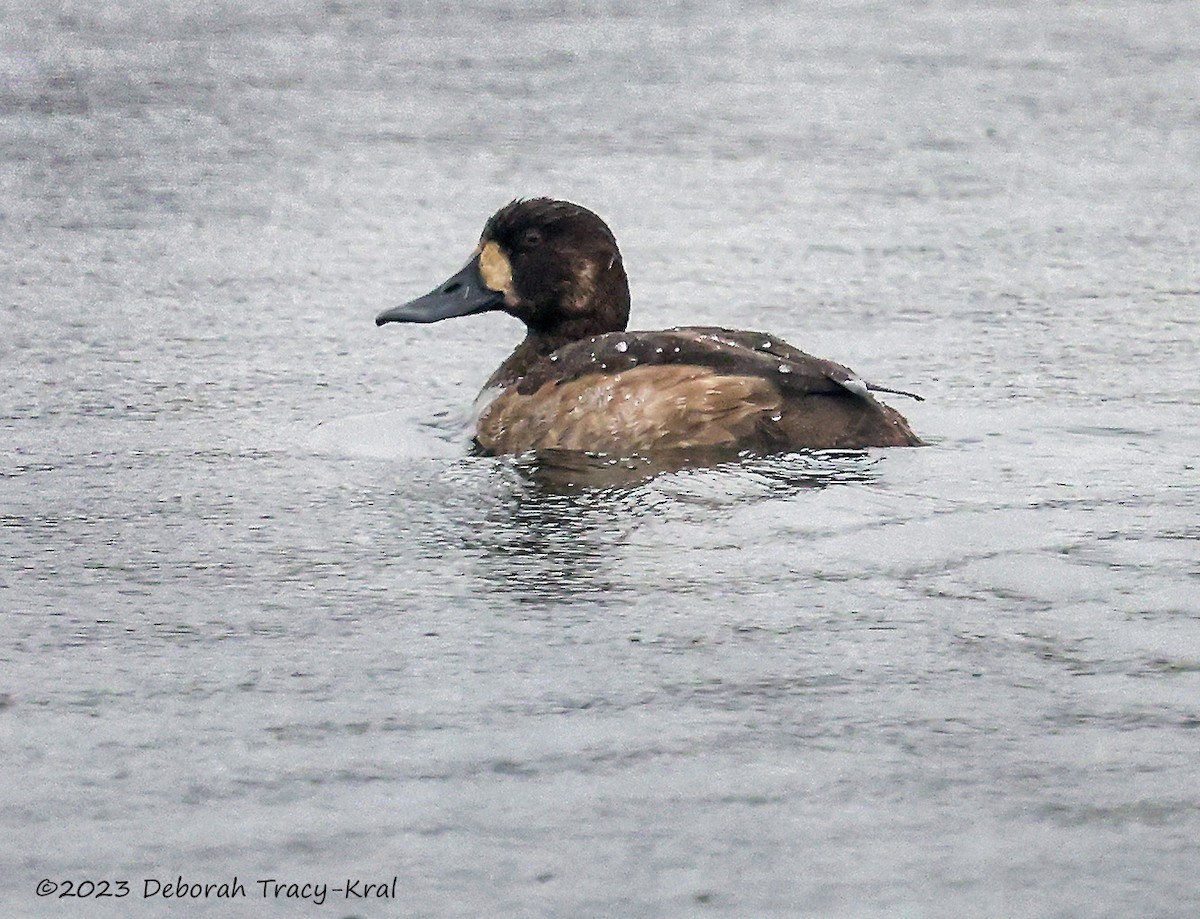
531 238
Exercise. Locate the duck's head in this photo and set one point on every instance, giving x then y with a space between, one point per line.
552 264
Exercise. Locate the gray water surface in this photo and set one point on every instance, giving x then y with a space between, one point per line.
261 614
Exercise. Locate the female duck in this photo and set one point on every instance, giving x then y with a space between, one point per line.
580 382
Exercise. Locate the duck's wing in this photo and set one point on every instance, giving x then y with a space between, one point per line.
776 354
725 351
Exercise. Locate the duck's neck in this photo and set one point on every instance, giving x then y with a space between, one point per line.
535 347
596 307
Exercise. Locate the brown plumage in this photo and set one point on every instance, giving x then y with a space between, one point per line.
580 382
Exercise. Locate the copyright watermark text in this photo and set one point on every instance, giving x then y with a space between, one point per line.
180 888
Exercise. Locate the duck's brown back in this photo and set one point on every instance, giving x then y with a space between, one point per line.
690 388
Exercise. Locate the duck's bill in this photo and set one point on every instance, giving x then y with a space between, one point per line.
460 295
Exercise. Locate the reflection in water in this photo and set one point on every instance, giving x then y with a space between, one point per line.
562 469
555 531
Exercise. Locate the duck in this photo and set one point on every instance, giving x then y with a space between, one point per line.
579 381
